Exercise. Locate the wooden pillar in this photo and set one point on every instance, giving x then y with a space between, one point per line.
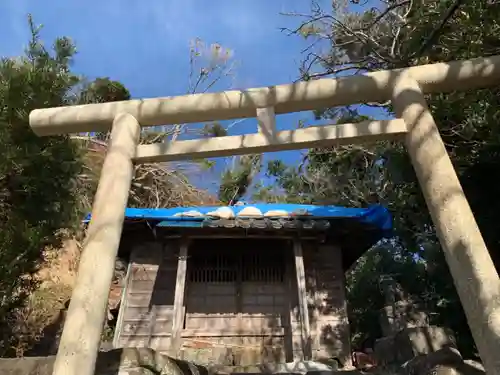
302 298
471 266
81 336
123 306
288 313
180 290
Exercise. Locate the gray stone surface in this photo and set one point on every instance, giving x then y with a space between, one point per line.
400 315
415 341
296 368
463 368
474 366
302 367
424 364
128 361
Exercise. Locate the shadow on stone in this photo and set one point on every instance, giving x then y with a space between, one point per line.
127 361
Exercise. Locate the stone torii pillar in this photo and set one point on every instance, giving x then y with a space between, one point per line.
84 323
473 271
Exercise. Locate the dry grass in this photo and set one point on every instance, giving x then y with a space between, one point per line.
37 324
41 320
60 265
155 185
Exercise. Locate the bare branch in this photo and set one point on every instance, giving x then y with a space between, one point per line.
212 64
360 35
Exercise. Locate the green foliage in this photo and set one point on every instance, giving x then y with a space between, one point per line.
103 90
37 174
206 164
406 33
267 193
363 284
236 180
214 129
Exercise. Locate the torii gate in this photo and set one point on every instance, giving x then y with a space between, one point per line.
470 264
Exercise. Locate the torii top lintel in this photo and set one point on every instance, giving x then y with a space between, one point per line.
300 96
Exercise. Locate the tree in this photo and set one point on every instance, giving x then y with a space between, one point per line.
158 185
38 198
153 185
397 34
364 287
102 90
47 184
209 66
236 180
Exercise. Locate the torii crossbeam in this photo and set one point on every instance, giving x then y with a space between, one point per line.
470 264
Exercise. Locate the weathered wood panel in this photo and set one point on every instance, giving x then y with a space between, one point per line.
249 311
329 308
237 296
239 332
159 343
238 323
147 316
156 298
180 291
141 286
132 313
147 328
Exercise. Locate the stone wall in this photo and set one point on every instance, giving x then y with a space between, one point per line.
145 318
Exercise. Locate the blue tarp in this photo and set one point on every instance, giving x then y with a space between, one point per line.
376 215
375 220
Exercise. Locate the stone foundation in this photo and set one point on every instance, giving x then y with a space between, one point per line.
128 361
142 361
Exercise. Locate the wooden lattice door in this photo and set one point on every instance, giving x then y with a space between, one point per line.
236 296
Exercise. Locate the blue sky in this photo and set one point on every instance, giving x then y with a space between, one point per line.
145 44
